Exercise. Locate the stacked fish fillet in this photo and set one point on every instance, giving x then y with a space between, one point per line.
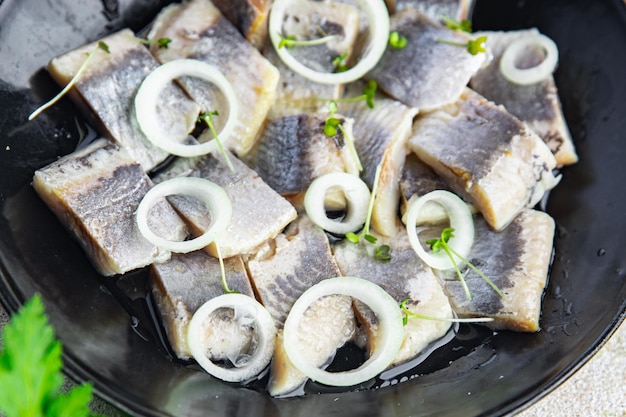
495 145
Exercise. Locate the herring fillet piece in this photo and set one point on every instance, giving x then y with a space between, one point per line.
436 9
106 90
183 284
297 260
380 137
198 30
517 260
305 20
487 156
259 213
95 192
292 151
427 73
404 276
538 105
249 17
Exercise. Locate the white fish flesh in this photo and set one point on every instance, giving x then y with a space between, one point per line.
95 192
436 9
198 30
487 156
106 89
427 73
538 105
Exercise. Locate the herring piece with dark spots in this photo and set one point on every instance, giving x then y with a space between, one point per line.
538 105
404 276
181 285
517 260
106 90
198 30
292 151
428 73
297 260
95 192
259 213
311 20
249 17
486 155
380 138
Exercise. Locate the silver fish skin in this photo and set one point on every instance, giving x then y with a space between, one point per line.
437 9
380 138
106 89
427 73
404 276
297 260
249 17
305 20
95 192
259 212
181 285
292 151
198 30
517 260
487 156
538 105
418 179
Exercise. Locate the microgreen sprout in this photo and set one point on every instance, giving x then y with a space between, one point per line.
162 43
397 41
227 290
382 252
101 46
409 314
207 118
436 245
331 127
339 63
291 41
473 46
465 25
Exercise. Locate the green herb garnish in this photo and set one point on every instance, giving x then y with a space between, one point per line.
220 258
436 245
339 63
473 46
409 314
207 118
465 25
162 43
332 125
101 46
397 41
291 41
30 369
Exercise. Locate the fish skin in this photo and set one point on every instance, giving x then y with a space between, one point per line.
259 212
517 260
380 137
299 259
404 276
538 105
249 17
292 151
181 285
427 73
499 164
198 30
95 192
106 89
436 9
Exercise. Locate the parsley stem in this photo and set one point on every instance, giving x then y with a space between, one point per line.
483 276
411 314
223 270
449 251
350 143
290 41
207 117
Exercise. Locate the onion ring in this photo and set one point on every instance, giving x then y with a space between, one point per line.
533 75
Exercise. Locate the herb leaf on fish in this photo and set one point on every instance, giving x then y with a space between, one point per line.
102 46
397 41
473 46
465 25
339 63
436 245
207 118
332 124
162 43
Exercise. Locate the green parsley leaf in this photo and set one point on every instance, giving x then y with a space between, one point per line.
465 25
339 63
397 41
476 46
30 369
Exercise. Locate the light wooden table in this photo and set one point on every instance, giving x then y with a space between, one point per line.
598 389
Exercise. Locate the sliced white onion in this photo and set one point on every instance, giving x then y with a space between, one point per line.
148 94
212 195
357 196
378 19
380 302
460 220
245 308
533 75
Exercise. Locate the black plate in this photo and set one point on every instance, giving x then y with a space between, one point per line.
479 373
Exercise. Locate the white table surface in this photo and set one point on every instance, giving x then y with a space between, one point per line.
598 389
